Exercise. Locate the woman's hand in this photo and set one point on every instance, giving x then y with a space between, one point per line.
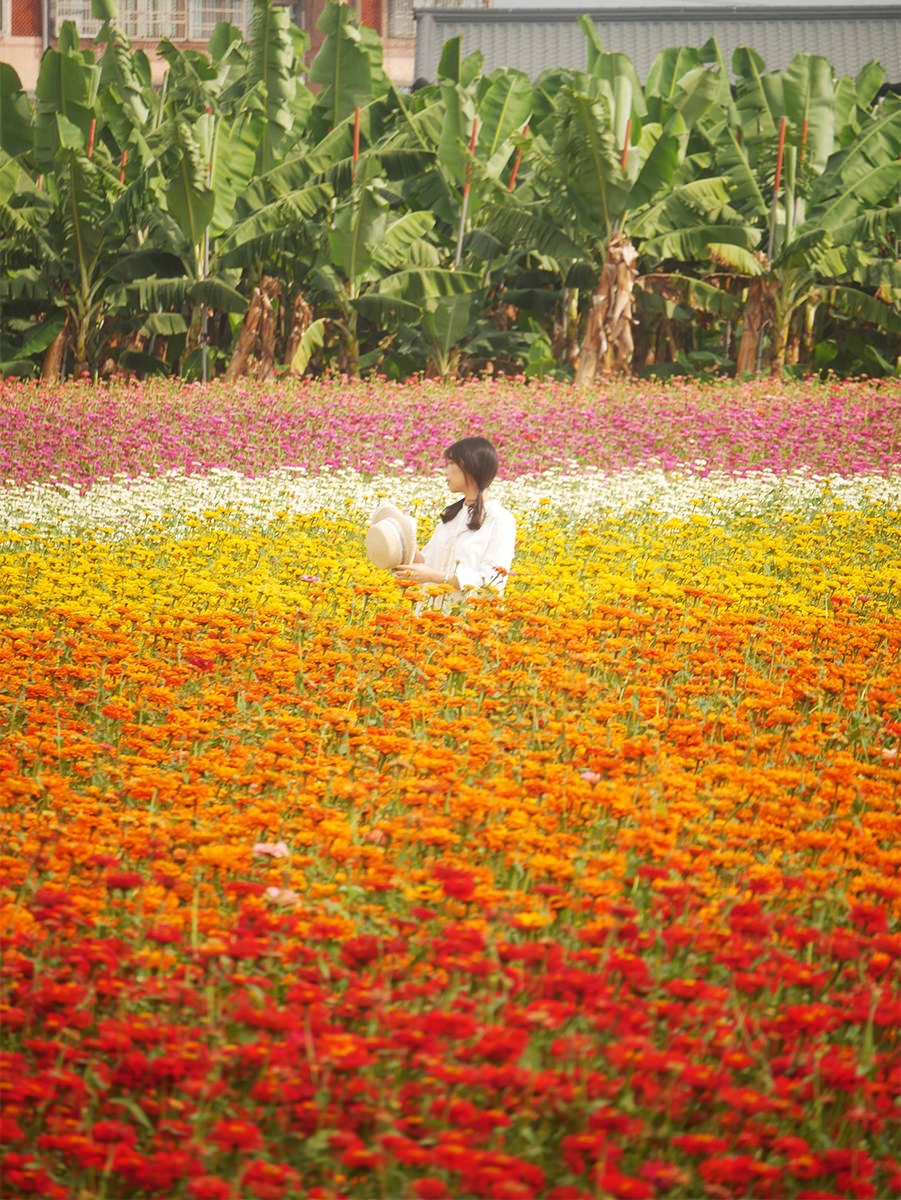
418 572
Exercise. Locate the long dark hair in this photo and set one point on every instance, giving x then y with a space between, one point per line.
477 458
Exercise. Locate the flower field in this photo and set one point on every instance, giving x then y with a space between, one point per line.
310 890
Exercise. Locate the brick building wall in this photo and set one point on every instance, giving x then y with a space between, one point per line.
26 18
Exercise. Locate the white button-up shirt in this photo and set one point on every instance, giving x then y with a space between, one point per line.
475 557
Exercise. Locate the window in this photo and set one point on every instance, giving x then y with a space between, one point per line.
152 20
400 19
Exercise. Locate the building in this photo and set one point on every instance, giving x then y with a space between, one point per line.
528 34
28 27
850 34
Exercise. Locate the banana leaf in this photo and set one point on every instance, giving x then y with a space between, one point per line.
189 199
15 114
272 225
311 340
272 64
65 94
809 93
396 244
695 293
164 324
344 67
862 307
693 244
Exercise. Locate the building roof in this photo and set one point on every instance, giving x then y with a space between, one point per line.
850 35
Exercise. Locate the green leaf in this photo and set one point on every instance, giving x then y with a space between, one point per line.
450 61
272 65
738 257
40 337
387 310
688 244
140 363
514 225
65 93
456 133
695 293
810 101
752 96
217 294
395 246
233 157
358 229
164 324
422 286
862 307
15 114
865 186
657 172
504 109
446 321
312 340
344 66
273 224
189 199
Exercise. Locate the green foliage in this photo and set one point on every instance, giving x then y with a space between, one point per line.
440 230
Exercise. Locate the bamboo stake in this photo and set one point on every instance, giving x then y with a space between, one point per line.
625 153
204 316
779 153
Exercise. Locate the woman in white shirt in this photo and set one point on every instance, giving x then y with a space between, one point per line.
472 546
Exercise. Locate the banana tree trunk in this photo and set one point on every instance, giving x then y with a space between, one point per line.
608 346
52 365
258 331
780 346
349 355
247 338
301 320
272 291
809 341
758 313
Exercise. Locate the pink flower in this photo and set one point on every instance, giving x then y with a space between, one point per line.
272 849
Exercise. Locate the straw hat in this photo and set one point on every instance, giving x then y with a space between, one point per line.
391 538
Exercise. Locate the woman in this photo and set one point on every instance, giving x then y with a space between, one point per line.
473 545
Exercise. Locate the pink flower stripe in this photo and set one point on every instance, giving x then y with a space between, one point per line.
78 434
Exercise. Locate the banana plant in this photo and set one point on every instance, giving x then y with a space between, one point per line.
812 167
606 158
172 274
366 241
222 119
76 169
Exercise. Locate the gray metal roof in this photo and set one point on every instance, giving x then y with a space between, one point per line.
849 35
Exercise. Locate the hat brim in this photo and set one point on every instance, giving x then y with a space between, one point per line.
383 544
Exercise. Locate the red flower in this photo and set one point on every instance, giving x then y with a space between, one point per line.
209 1187
270 1181
429 1188
123 881
358 951
456 883
236 1135
624 1187
113 1131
